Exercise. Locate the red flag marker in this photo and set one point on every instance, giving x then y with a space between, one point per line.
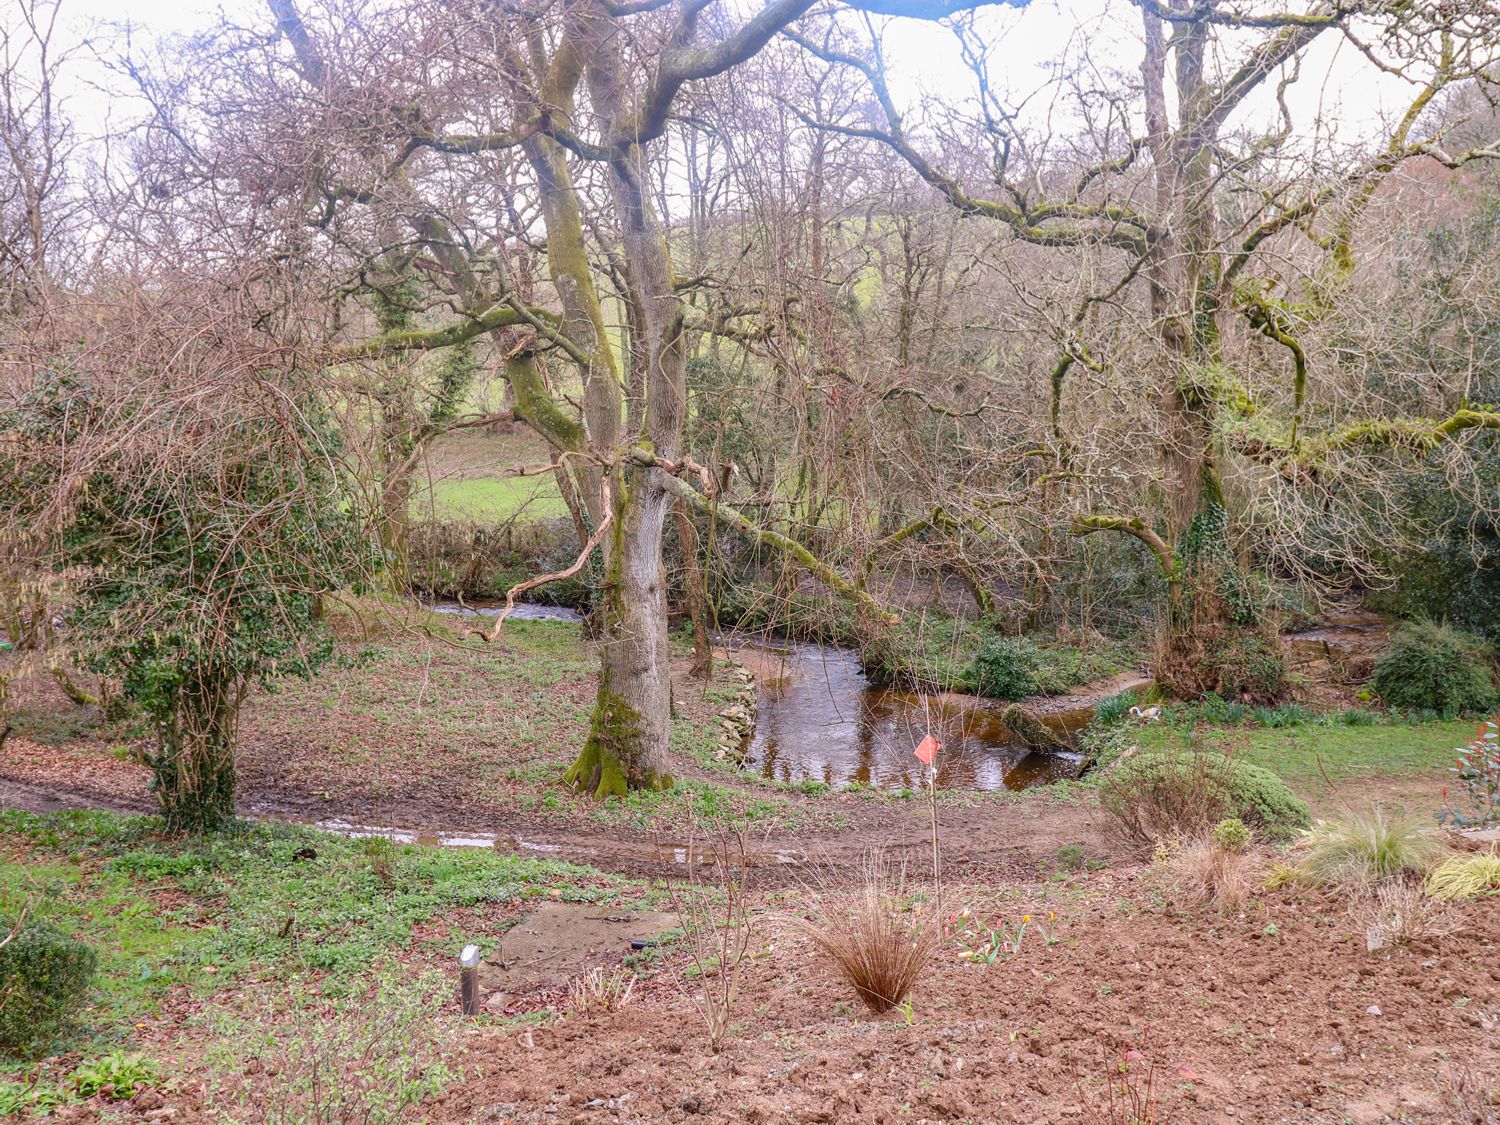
927 750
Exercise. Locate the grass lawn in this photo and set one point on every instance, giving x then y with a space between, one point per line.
1346 752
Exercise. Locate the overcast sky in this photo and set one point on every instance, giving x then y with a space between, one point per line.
1338 85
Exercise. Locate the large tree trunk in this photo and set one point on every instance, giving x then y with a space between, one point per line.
628 731
192 769
1211 619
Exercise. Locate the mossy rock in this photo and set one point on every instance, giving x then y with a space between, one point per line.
1027 728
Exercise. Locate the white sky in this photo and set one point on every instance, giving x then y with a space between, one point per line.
1338 85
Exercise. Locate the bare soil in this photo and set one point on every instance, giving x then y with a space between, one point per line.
1275 1015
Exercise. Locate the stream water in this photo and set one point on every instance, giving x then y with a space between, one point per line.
820 719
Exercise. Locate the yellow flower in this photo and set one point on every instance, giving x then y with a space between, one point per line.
1026 917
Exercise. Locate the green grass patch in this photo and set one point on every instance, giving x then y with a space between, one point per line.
268 902
491 499
1346 752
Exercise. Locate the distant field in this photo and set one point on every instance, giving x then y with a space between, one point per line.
464 479
491 499
1300 754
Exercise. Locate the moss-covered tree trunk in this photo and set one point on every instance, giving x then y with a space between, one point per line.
629 729
1207 604
192 768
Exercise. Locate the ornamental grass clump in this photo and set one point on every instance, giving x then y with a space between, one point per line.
1368 846
877 941
1465 876
1207 874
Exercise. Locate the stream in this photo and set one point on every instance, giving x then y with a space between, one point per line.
819 719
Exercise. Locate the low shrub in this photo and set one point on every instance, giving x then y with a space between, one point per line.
1206 873
877 942
1434 666
1478 772
1162 794
1231 834
1005 668
1465 876
45 975
1369 846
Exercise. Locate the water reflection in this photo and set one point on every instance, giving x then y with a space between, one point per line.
820 720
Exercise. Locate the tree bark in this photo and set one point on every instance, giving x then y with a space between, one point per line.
192 769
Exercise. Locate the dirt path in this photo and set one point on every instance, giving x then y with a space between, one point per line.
1005 836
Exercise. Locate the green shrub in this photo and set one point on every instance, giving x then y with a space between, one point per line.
118 1076
1231 834
44 976
1005 668
1368 846
1431 666
1161 794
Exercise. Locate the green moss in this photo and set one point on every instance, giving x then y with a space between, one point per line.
604 767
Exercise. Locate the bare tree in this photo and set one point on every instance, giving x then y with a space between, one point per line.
1176 202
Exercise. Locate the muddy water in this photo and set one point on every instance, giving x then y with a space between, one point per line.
819 719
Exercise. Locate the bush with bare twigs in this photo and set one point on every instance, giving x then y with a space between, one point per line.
1471 1098
876 939
1128 1097
600 991
1159 795
712 903
1398 912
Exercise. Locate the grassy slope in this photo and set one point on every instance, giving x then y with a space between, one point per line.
1346 752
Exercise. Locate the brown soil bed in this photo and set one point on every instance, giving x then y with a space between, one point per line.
1267 1017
